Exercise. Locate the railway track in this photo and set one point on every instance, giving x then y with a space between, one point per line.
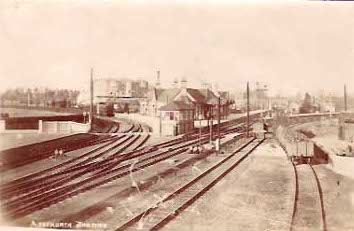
37 200
32 189
308 212
35 181
113 128
86 175
105 140
21 183
42 151
160 214
59 190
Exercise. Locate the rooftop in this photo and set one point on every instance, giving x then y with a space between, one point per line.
176 106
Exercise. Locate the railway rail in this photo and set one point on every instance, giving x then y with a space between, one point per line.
33 182
105 139
47 196
160 214
57 190
106 142
309 212
52 181
90 170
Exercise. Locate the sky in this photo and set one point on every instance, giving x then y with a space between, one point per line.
292 46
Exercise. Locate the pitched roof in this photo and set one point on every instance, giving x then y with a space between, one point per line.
215 101
176 106
224 94
166 95
208 94
197 95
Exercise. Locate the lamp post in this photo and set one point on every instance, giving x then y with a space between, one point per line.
200 129
160 123
84 114
218 139
248 110
91 97
211 128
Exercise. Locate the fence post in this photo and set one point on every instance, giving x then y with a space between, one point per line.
40 126
56 126
70 126
2 125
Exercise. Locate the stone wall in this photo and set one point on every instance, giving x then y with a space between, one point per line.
49 127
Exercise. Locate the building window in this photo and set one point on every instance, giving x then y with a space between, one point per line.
176 116
171 115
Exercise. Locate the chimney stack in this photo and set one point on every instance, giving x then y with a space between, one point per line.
205 85
183 83
158 83
175 83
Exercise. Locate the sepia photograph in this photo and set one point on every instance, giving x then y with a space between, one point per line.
229 115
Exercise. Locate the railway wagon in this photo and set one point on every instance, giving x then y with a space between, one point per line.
301 151
105 109
308 152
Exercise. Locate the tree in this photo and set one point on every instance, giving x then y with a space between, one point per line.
110 109
306 106
126 108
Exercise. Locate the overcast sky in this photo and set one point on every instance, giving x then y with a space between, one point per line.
294 46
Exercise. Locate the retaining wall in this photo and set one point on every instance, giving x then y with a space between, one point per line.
32 122
49 127
62 127
2 126
42 108
18 156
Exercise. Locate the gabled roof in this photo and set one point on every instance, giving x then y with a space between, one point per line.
197 95
224 94
208 94
166 95
215 101
176 106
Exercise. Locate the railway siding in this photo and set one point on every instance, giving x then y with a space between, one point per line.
252 197
108 166
157 216
308 213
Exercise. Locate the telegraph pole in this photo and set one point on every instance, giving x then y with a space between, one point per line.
160 123
91 97
28 98
218 140
248 110
341 126
211 128
345 98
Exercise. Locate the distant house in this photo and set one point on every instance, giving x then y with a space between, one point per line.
125 94
203 101
294 108
177 118
327 107
155 99
120 88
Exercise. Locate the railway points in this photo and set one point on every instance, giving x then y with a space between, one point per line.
27 194
129 160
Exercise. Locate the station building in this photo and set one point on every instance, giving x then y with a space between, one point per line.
203 101
177 117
